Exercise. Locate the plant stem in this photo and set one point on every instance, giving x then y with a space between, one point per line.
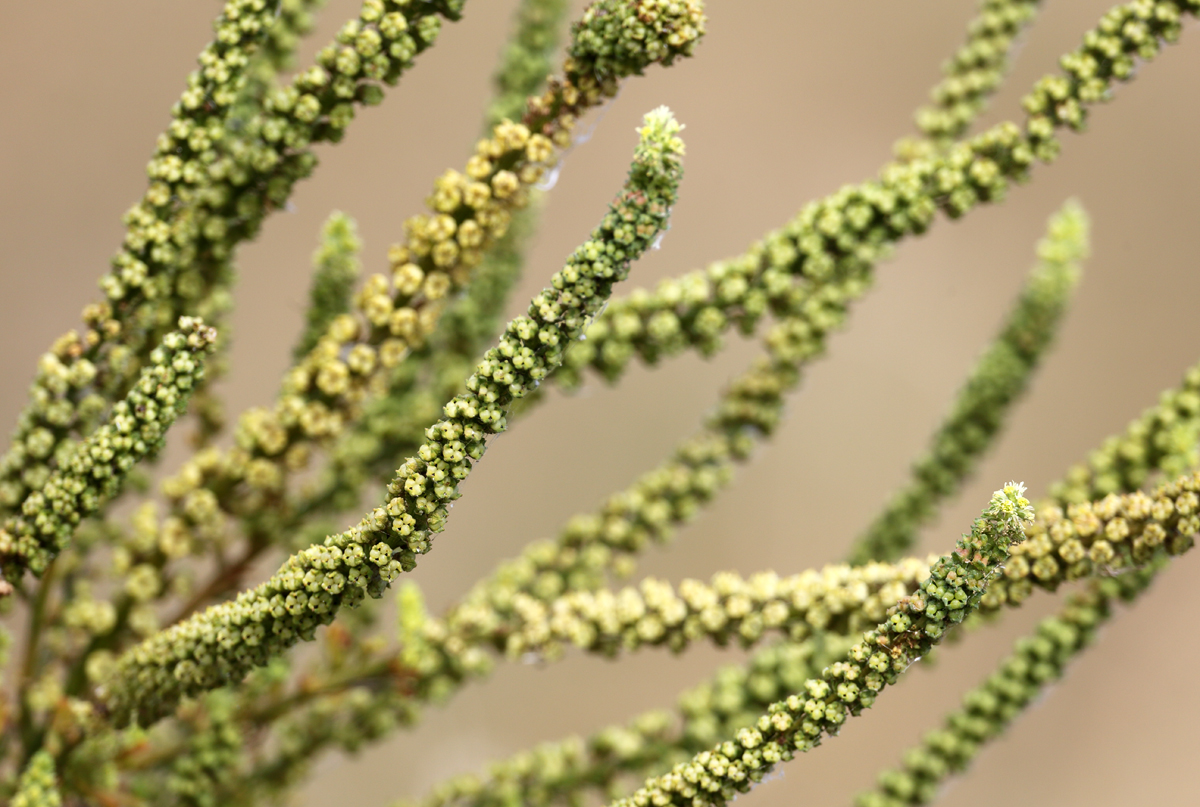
31 737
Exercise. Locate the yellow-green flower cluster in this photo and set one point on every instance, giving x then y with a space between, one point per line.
1163 439
1110 52
738 693
392 425
337 267
976 69
469 210
952 591
349 363
692 311
163 229
159 231
1041 658
1110 536
64 400
95 469
211 188
222 644
1037 661
272 154
209 285
839 599
1158 439
38 787
213 753
997 380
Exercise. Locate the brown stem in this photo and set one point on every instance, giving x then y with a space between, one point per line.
220 583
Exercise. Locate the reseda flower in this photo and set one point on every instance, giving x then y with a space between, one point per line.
798 723
96 469
216 175
395 313
225 642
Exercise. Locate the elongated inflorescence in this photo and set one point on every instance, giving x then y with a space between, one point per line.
999 377
92 472
224 643
976 69
1154 441
211 187
613 312
101 706
1037 661
391 425
337 270
953 590
393 315
837 599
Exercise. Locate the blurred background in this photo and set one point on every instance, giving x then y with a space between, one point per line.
783 103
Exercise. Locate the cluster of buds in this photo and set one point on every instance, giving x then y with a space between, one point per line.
225 642
95 469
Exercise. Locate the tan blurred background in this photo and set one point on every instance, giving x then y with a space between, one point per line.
784 102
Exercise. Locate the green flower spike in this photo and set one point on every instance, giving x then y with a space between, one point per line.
225 642
1037 661
92 472
798 723
997 381
976 69
211 189
337 269
395 314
